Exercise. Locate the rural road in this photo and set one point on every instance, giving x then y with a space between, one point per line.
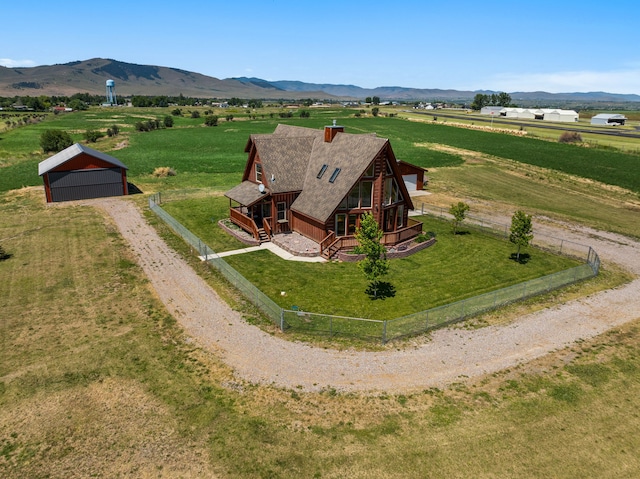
450 355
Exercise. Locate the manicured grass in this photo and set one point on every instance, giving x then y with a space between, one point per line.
96 379
456 267
201 215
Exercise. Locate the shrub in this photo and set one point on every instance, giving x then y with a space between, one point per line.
229 117
195 114
176 112
55 140
92 135
164 171
211 120
570 137
168 121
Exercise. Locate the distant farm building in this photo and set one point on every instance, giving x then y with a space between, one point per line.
546 114
611 119
491 110
79 173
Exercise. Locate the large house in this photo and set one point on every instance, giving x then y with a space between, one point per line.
319 183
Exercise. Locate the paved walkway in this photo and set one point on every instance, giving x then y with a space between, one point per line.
275 249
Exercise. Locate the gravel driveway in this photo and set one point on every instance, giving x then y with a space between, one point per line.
450 355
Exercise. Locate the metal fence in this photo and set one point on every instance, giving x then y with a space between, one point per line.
416 323
257 297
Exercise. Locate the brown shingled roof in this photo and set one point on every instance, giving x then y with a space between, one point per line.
293 156
246 193
352 154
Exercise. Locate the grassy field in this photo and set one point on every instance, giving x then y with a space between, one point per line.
97 380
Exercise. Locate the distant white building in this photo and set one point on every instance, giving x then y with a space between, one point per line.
491 110
561 115
547 114
612 119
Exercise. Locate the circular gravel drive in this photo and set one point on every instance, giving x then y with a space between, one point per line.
451 355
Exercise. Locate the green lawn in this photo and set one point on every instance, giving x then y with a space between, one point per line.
455 268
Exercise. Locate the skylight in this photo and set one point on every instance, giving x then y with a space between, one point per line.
321 172
334 175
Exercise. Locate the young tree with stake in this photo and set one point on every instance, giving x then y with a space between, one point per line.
375 263
521 230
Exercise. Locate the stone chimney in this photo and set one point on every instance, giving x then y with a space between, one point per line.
331 131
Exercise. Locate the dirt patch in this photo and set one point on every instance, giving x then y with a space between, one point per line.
122 144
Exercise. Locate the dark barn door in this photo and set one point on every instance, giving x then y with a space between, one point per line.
85 184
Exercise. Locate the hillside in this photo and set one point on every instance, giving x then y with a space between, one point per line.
89 76
131 79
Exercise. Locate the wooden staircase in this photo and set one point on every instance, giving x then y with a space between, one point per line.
332 249
263 236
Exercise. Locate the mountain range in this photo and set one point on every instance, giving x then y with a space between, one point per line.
89 76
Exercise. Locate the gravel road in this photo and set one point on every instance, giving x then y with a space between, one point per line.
450 356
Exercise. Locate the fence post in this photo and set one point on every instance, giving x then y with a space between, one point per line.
330 326
384 331
282 320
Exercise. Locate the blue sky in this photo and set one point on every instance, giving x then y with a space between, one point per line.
510 45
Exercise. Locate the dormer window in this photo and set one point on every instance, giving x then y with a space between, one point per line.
258 172
322 170
334 175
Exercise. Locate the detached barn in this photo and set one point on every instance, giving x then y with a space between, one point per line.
80 172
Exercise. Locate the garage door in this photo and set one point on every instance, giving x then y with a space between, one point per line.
411 181
85 184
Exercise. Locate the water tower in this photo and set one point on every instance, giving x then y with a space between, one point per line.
111 92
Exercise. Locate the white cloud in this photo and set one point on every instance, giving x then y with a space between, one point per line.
8 62
620 81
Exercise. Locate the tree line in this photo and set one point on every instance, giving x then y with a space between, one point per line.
495 99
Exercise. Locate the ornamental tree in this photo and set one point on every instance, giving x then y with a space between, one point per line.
459 212
375 263
521 232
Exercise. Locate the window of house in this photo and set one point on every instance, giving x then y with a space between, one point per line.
370 171
341 223
281 211
321 172
400 219
258 172
366 189
353 223
389 170
353 199
334 175
391 191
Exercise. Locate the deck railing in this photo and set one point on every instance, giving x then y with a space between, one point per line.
244 222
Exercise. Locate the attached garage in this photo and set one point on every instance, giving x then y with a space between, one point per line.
80 172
